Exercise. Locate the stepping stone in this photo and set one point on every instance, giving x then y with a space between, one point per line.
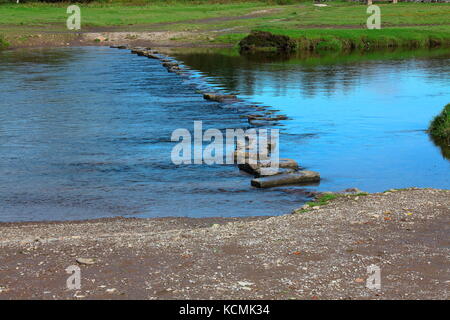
170 64
151 56
253 117
299 177
283 163
139 51
272 171
246 156
219 97
175 69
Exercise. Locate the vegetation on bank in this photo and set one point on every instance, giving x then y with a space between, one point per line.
3 43
325 199
440 126
348 39
290 16
338 26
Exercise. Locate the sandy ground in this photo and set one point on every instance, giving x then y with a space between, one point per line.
318 254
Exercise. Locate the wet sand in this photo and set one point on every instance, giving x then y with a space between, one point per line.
318 254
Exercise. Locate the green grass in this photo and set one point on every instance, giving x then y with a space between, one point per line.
290 17
440 126
346 39
340 15
99 14
3 43
326 198
339 26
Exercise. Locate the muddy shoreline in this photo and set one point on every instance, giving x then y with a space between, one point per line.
322 253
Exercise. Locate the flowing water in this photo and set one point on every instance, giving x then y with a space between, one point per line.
85 132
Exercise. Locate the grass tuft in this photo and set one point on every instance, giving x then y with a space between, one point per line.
440 126
325 199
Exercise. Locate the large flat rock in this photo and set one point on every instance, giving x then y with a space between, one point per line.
299 177
255 169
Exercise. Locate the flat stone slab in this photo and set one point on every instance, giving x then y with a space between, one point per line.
175 69
259 172
255 169
299 177
170 64
138 51
253 117
151 56
219 97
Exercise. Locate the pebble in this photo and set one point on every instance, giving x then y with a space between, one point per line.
86 261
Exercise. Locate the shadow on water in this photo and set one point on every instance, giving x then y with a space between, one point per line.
239 72
443 145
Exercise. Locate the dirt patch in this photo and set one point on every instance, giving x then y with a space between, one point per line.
319 254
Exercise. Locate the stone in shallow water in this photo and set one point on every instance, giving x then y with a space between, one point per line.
245 156
299 177
219 97
170 64
284 163
265 172
151 55
138 51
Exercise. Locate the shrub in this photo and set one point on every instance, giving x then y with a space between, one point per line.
440 126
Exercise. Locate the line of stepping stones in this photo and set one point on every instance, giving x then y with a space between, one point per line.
288 171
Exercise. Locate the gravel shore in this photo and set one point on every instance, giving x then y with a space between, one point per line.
322 253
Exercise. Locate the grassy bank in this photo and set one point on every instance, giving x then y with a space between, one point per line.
339 26
440 126
182 14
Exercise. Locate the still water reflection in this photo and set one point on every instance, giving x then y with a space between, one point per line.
359 120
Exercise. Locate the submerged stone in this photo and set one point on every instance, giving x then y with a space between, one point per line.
151 55
175 69
219 97
170 64
139 51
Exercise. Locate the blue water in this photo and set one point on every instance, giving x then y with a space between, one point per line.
85 132
360 124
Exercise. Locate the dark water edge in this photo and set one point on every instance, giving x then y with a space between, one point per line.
86 133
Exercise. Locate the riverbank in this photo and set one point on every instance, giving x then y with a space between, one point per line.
338 26
440 126
318 254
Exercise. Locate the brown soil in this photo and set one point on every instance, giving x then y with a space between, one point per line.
319 254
